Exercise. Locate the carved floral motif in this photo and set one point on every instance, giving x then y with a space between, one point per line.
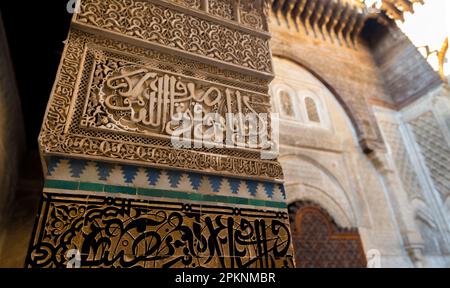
152 23
221 8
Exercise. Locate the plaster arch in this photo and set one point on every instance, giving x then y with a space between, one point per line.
329 192
367 143
319 196
347 201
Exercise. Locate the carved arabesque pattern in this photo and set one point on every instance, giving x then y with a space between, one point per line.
155 24
176 64
221 8
167 157
195 4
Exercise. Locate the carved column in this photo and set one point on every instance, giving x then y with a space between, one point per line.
121 190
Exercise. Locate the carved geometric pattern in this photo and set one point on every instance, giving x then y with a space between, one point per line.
435 150
320 243
112 232
402 161
63 132
152 23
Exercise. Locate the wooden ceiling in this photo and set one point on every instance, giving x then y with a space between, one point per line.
395 9
339 19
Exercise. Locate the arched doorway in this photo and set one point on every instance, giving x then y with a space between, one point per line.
319 242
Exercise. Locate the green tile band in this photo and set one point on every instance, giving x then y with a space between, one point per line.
96 187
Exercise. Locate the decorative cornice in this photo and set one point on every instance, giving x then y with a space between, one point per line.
337 20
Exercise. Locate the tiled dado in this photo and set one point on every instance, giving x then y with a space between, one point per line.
92 176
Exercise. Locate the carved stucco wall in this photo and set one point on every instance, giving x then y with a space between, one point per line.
211 62
220 59
129 69
324 164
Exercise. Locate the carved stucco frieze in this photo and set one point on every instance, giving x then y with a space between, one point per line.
79 123
249 13
127 97
155 24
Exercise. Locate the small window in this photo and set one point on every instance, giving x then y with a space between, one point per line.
311 109
286 103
